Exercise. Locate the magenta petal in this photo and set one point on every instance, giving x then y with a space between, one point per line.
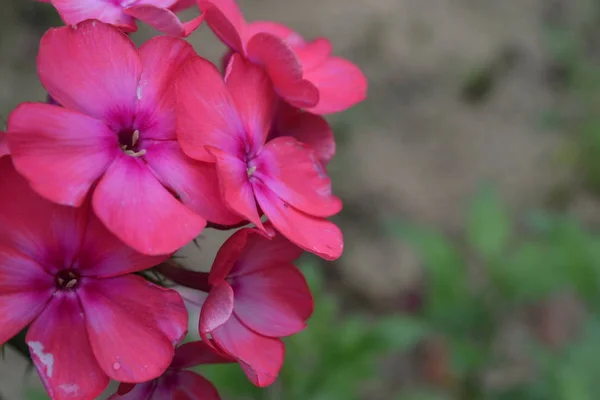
226 21
164 20
133 326
20 273
275 301
281 31
217 308
316 235
260 357
191 386
284 69
74 12
141 391
291 170
313 54
341 85
61 352
133 205
91 67
18 309
61 152
196 353
229 254
195 182
3 144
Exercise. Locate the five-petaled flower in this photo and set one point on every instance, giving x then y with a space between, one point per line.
62 272
114 136
228 122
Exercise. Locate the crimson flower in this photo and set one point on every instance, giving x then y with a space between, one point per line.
177 383
3 145
228 123
304 73
159 14
114 136
255 296
62 272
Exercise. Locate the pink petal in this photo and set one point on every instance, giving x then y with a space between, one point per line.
226 21
236 189
74 12
283 68
195 182
3 144
341 85
134 206
20 273
275 301
191 386
133 326
307 128
18 309
260 357
313 54
46 232
206 114
61 152
61 351
254 97
229 254
161 58
281 31
291 170
196 353
316 235
217 308
141 391
164 20
182 5
91 67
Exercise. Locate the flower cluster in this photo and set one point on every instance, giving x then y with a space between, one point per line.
135 153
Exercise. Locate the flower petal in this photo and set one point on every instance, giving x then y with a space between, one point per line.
291 170
283 68
141 391
164 20
254 97
229 254
206 114
191 386
20 273
217 308
316 235
281 31
134 206
260 357
341 85
91 67
61 152
236 189
61 351
275 301
307 128
74 12
182 5
195 182
314 53
3 144
196 353
133 326
226 21
18 309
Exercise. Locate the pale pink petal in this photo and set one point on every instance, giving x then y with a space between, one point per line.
291 170
196 353
164 20
3 144
254 97
134 206
73 12
61 152
284 69
260 357
195 182
61 351
316 235
226 21
133 326
236 189
161 58
341 85
91 67
217 308
191 386
206 114
18 309
275 301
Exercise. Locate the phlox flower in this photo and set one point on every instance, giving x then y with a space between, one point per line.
3 144
68 278
228 122
114 136
159 14
255 296
304 73
177 383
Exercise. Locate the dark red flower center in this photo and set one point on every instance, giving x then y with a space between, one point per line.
67 279
129 141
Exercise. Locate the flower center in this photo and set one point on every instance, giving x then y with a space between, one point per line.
67 279
129 143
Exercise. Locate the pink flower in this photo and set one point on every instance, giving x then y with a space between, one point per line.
115 136
304 73
3 145
159 14
256 295
177 383
62 272
228 123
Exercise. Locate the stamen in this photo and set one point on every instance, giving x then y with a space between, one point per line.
250 171
135 137
134 153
